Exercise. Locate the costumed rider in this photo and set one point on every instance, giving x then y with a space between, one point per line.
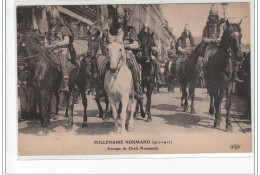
147 42
212 34
154 58
185 42
60 39
118 28
172 52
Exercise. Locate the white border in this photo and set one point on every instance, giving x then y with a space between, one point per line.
177 163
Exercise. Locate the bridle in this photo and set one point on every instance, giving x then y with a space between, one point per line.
118 66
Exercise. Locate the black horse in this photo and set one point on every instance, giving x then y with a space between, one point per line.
148 72
46 77
189 72
221 71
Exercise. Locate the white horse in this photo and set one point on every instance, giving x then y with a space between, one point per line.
118 84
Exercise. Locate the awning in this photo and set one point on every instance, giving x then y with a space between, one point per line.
74 15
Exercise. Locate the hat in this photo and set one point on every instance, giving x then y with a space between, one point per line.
120 11
186 27
213 10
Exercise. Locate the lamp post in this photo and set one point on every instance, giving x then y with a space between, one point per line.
224 6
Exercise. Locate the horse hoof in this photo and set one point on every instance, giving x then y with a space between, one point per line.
182 104
44 132
185 109
70 124
192 111
149 119
66 115
84 124
130 129
143 114
216 125
211 111
229 128
55 117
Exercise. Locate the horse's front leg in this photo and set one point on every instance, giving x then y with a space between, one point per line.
114 112
57 96
123 114
149 100
49 107
184 95
131 117
211 95
44 109
228 106
100 110
192 95
70 108
218 96
85 105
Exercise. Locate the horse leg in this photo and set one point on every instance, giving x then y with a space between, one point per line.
172 85
211 95
192 95
100 110
70 107
44 110
40 107
148 103
67 98
85 104
108 112
136 109
114 112
49 108
228 106
57 96
184 96
123 113
218 95
132 113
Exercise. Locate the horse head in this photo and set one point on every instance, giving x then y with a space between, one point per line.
28 45
116 52
232 37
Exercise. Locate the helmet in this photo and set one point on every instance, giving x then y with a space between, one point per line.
213 10
147 23
186 27
120 11
54 13
155 49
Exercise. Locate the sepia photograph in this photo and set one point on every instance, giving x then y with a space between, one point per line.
134 79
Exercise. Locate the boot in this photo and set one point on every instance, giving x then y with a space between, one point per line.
66 84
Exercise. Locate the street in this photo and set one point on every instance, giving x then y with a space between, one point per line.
167 117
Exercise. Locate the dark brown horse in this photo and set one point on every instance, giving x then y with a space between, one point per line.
189 72
46 78
96 81
221 71
148 71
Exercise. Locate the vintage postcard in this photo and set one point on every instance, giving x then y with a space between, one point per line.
113 79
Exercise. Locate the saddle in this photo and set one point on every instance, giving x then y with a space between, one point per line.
71 64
